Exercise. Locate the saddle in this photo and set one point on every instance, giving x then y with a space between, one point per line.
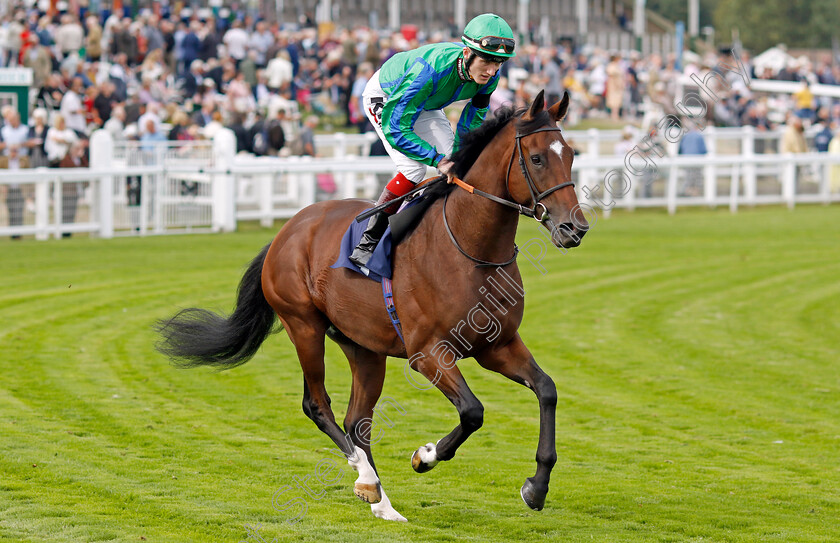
400 225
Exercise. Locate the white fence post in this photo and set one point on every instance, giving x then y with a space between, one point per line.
593 150
671 189
42 209
825 182
265 189
789 181
748 154
733 188
710 170
58 205
102 158
224 186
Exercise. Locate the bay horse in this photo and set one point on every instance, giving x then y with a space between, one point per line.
438 273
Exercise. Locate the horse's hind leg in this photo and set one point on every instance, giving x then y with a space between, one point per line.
368 370
308 337
515 362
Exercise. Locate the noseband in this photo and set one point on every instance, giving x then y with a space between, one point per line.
536 197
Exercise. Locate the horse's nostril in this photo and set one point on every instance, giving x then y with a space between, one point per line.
564 232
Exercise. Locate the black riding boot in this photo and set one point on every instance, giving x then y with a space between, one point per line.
364 250
375 230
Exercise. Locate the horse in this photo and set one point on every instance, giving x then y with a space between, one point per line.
440 271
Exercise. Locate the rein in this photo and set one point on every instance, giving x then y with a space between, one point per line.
536 197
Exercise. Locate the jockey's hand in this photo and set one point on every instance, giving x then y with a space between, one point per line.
447 167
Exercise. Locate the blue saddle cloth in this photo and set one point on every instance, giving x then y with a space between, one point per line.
399 226
379 264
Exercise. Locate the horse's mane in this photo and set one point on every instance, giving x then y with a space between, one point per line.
472 144
474 141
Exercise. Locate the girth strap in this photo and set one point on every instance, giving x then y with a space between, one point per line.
388 294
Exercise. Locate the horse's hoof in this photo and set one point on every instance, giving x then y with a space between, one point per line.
368 493
424 458
533 498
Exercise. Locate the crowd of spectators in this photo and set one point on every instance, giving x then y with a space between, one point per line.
184 75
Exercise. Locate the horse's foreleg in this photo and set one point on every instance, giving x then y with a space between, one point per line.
470 411
515 362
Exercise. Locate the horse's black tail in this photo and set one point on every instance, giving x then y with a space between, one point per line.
197 337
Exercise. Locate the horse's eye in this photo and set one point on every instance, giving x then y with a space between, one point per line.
536 160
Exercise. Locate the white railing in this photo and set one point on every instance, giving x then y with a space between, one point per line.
173 197
724 140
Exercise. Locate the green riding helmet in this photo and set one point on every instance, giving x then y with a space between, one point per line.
490 36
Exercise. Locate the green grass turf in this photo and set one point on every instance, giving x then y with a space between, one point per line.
695 356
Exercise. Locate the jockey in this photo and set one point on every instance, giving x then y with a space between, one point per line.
404 101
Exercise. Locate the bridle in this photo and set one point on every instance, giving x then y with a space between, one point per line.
536 196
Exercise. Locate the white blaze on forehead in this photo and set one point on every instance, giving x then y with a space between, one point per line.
557 147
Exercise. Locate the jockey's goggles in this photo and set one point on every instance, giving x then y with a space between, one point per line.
491 44
496 44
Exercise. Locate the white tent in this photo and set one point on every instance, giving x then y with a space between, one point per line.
774 58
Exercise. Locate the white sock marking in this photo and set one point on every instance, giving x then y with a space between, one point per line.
385 511
366 473
428 454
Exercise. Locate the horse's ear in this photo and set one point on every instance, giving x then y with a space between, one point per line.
558 110
537 105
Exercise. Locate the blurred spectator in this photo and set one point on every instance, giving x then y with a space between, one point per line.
276 133
14 193
72 108
38 135
692 143
12 42
626 144
15 138
50 95
38 58
834 149
248 69
58 142
279 71
105 101
237 126
236 40
357 110
822 139
152 114
93 41
151 136
72 191
213 127
190 46
804 102
70 37
616 84
182 128
307 136
116 124
260 42
793 140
